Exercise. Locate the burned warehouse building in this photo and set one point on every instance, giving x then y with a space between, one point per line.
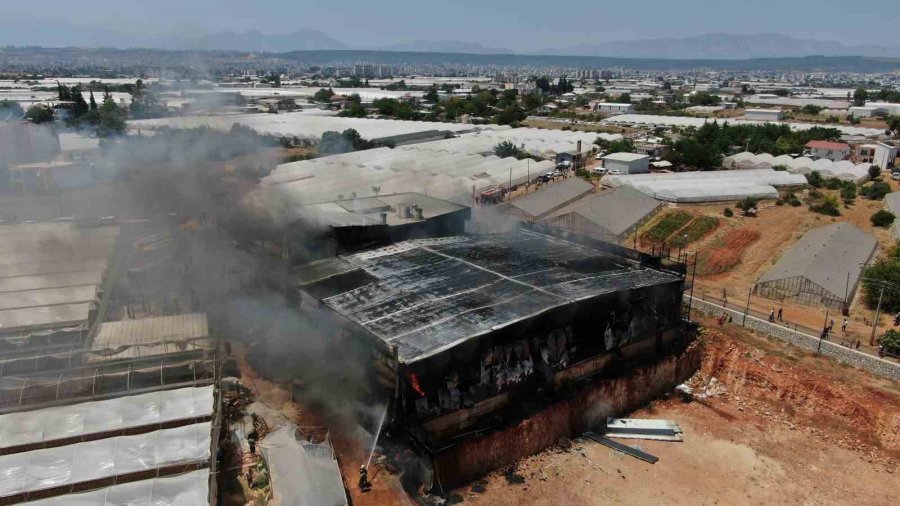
464 331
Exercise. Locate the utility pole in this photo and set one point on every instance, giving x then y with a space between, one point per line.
747 309
877 314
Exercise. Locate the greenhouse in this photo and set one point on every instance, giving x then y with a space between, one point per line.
844 170
824 267
710 186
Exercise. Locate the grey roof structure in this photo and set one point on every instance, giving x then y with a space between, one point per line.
615 210
553 196
892 201
426 296
826 256
367 210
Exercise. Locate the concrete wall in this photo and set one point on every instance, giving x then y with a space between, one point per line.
829 349
584 410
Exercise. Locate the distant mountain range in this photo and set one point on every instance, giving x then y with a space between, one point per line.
714 46
445 46
62 34
722 46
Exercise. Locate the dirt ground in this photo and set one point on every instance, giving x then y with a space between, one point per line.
780 227
779 427
351 443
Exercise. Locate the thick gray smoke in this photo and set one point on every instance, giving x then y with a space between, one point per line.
200 183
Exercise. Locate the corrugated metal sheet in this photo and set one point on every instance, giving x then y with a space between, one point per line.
616 210
551 197
47 297
65 315
59 280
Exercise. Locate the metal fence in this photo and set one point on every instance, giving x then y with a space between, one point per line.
742 306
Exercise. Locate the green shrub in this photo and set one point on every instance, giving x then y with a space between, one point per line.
848 193
828 206
883 218
891 341
779 202
832 183
792 200
728 212
875 191
815 179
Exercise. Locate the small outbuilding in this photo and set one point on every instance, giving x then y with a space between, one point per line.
627 163
764 114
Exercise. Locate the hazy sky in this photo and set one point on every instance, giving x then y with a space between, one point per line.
515 24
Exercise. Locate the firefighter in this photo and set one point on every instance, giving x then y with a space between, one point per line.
364 484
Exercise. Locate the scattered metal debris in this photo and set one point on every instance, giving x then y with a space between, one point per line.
634 452
633 428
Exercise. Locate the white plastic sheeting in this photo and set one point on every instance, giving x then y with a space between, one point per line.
104 458
306 126
709 186
844 170
188 489
448 176
61 422
537 141
303 473
650 120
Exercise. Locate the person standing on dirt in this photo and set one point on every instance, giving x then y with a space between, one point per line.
772 315
857 344
780 314
725 296
844 325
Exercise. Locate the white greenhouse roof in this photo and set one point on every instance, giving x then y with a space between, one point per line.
304 125
95 417
303 473
654 120
188 489
104 458
709 186
154 330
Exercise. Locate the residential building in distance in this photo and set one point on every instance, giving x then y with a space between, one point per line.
881 154
834 151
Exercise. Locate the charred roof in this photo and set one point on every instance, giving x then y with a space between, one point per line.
426 296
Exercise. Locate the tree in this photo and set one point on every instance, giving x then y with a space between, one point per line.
887 270
874 172
704 98
81 106
893 123
891 341
93 102
354 111
860 96
506 149
431 95
39 114
622 146
112 118
811 109
625 98
323 95
882 218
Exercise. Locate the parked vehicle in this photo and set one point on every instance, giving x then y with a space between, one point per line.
615 172
895 176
